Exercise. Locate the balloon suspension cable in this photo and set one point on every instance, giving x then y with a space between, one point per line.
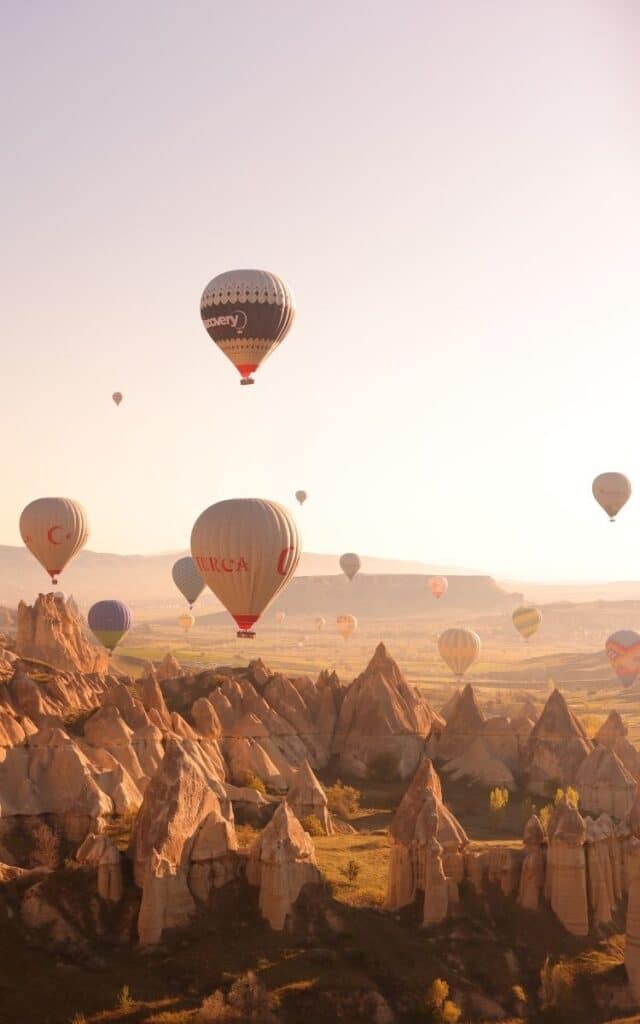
247 380
245 634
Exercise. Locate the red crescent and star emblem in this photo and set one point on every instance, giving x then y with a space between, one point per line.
50 535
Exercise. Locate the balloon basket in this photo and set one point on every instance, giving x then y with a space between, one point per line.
247 380
245 634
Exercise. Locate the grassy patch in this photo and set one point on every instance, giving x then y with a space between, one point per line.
371 853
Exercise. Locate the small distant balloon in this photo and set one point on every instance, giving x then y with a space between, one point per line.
187 579
186 620
301 497
611 491
623 652
54 530
526 619
247 313
320 622
459 648
117 397
280 617
109 621
438 585
350 564
347 625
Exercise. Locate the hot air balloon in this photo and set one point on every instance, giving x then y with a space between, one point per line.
320 622
246 551
54 530
247 313
347 625
117 397
301 497
280 617
623 651
526 619
350 564
459 648
187 579
438 585
611 491
109 621
186 620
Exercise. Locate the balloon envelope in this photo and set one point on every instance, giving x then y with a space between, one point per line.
459 648
246 551
301 497
611 491
187 579
280 617
350 564
186 620
109 621
117 397
247 313
54 530
526 619
438 585
623 651
320 622
347 625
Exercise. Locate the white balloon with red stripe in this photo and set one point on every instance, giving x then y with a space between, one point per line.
246 550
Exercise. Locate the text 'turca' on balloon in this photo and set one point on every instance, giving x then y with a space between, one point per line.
246 550
54 530
109 621
611 491
247 313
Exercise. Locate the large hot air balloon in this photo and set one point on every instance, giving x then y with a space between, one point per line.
187 579
350 564
347 625
623 651
109 621
117 397
438 585
611 491
247 313
54 530
186 620
459 648
280 617
526 619
301 497
246 551
320 622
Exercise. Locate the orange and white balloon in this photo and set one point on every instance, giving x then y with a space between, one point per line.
459 648
347 625
438 585
54 530
186 620
246 551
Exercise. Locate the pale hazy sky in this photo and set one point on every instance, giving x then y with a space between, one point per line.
450 189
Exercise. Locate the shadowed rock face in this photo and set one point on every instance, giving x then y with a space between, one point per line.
51 632
464 723
613 734
557 746
307 797
604 784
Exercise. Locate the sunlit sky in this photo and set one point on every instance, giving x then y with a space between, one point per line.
451 191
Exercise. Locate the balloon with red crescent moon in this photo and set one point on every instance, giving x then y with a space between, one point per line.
54 530
623 652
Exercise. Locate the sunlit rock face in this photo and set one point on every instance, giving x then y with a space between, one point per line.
557 746
52 632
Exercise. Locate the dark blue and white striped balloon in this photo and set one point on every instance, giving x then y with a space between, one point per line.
109 621
187 579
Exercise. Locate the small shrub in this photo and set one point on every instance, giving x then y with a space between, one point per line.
248 1000
383 768
246 835
351 870
591 724
253 782
519 994
78 1018
544 816
498 800
570 793
312 825
214 1008
450 1012
46 847
125 1002
343 800
437 993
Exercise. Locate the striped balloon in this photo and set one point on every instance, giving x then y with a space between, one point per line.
109 621
247 313
526 619
187 579
459 648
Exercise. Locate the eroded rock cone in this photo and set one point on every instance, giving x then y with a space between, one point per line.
533 865
557 746
169 668
604 784
567 868
464 725
49 631
99 852
381 716
613 734
307 798
281 861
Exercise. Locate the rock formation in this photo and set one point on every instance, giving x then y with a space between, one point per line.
557 746
281 861
566 868
98 851
632 944
306 797
381 716
604 784
464 724
50 632
600 869
613 734
533 865
169 667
